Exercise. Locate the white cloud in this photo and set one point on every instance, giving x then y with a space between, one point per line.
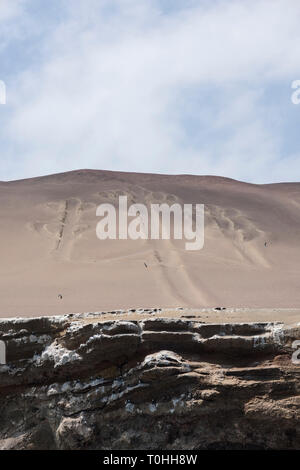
9 9
107 92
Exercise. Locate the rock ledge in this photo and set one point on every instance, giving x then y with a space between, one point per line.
83 382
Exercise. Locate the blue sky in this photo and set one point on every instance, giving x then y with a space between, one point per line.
169 86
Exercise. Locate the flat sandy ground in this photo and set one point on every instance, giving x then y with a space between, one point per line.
53 263
286 316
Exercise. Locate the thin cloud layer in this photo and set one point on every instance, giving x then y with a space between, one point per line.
153 86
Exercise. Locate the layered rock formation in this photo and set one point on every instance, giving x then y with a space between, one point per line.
83 382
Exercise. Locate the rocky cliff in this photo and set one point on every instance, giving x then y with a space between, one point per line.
84 382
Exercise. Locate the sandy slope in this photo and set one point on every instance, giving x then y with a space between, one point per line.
49 245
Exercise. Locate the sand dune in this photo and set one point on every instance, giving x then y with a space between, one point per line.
49 248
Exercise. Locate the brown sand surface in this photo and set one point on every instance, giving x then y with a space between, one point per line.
49 246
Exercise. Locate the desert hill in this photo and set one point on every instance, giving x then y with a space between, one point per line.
53 263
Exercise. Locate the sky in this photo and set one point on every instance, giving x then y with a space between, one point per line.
160 86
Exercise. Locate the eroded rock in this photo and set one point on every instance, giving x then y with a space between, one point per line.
79 381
